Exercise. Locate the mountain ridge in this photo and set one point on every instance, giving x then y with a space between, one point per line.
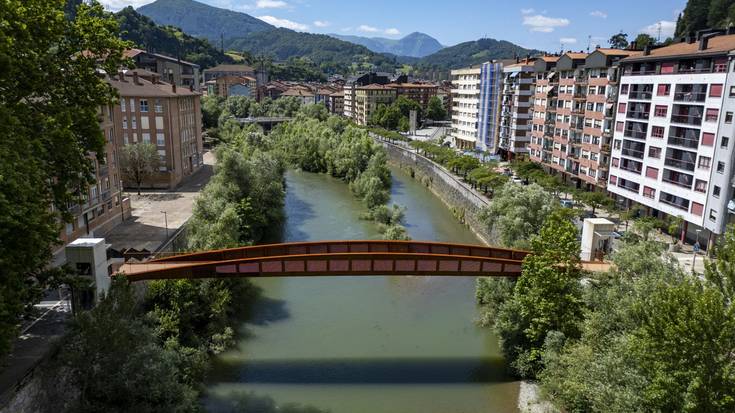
415 44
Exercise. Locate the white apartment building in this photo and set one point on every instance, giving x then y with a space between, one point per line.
515 114
476 106
673 141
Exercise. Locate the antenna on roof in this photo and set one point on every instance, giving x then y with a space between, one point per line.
659 32
589 41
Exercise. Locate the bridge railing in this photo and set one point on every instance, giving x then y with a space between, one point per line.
370 246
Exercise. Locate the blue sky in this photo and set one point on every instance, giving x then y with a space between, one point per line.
535 24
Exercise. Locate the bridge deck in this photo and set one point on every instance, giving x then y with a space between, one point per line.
335 258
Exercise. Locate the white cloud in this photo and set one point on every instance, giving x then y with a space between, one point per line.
539 23
667 29
527 11
116 5
271 4
321 23
367 29
288 24
568 40
598 13
392 31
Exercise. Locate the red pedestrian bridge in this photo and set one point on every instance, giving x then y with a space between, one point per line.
334 258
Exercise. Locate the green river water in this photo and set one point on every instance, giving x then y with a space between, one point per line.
364 344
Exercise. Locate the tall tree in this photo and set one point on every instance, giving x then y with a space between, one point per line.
643 40
619 41
51 95
139 162
435 110
695 17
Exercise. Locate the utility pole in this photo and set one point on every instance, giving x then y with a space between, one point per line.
659 32
589 42
165 221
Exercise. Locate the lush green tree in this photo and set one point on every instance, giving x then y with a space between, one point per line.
49 106
211 111
695 16
619 41
116 364
435 109
139 162
518 212
596 200
643 40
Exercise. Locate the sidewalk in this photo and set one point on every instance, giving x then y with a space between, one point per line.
146 229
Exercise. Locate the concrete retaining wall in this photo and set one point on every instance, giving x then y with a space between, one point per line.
464 201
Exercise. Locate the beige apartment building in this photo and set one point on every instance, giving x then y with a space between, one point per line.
162 114
368 98
418 92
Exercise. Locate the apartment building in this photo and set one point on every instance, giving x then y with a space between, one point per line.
336 103
226 86
368 98
418 92
305 96
573 117
162 114
353 83
673 142
169 69
476 106
515 114
102 206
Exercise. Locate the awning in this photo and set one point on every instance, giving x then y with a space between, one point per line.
514 74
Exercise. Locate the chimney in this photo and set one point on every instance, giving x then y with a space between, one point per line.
730 29
135 78
704 41
691 38
173 87
647 50
633 45
191 88
121 75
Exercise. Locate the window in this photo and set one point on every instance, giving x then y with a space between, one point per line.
715 90
145 122
125 138
697 209
134 122
667 68
700 186
663 89
125 122
657 131
654 152
728 117
158 106
651 172
624 89
705 162
720 167
732 91
147 137
708 139
720 65
649 192
69 228
724 141
619 126
123 105
712 115
132 105
716 191
621 108
160 139
712 215
660 111
144 106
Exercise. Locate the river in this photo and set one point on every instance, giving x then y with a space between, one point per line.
363 344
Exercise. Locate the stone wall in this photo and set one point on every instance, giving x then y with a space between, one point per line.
464 202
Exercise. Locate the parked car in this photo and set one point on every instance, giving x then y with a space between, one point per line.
567 203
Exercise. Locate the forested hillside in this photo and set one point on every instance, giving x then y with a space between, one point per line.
703 14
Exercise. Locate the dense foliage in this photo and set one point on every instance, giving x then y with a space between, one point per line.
704 14
329 54
395 116
168 40
201 20
50 100
139 162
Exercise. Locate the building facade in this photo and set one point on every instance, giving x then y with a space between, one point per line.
162 114
418 92
672 150
476 106
368 98
335 103
169 69
515 114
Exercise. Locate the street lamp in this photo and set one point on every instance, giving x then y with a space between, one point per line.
696 251
165 221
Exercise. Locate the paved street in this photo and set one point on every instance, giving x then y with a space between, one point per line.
146 229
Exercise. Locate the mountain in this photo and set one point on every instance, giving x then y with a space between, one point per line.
330 54
168 40
471 53
201 20
414 45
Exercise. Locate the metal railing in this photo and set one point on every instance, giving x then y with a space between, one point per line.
630 133
690 96
682 141
640 95
687 119
679 163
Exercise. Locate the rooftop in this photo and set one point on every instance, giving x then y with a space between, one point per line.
130 53
146 88
231 68
721 44
297 92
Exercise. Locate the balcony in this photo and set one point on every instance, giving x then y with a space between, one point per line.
690 96
687 119
627 185
683 141
640 95
680 163
678 179
635 153
674 201
630 133
638 115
